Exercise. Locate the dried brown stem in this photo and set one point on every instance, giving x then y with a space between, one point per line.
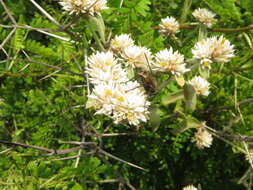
235 137
7 38
26 146
53 152
44 12
8 12
239 29
119 159
111 134
243 102
28 27
56 67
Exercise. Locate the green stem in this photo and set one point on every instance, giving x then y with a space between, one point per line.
98 41
202 32
185 10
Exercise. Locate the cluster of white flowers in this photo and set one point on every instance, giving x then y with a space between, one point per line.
213 49
113 94
83 6
134 56
166 60
169 25
169 61
121 42
190 187
137 56
200 85
103 67
202 137
204 16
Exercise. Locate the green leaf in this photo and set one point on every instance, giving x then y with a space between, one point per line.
97 23
247 4
155 120
19 37
39 49
143 7
77 186
185 11
188 123
226 9
89 103
171 98
190 97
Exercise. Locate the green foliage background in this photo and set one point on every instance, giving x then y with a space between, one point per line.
39 105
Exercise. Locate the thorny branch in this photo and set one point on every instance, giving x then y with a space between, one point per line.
44 12
190 27
56 67
243 102
89 145
235 137
28 27
239 29
117 172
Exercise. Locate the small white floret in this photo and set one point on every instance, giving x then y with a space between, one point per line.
169 61
204 16
78 7
200 85
169 25
121 42
202 137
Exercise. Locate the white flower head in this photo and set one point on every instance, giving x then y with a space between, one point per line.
213 49
204 16
169 25
132 104
83 6
102 97
124 102
200 85
113 94
169 61
190 187
103 67
202 137
203 49
137 56
121 42
223 50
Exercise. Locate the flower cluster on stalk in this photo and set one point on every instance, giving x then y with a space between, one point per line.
133 55
204 16
169 26
78 7
202 137
166 61
114 94
213 49
169 61
200 85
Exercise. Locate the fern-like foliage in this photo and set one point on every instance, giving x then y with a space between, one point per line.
19 38
142 7
226 9
41 50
